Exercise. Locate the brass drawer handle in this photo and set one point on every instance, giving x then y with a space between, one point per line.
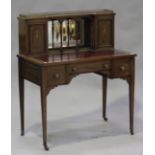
122 68
106 66
57 75
74 69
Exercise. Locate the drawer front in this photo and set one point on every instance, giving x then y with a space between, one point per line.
31 72
89 67
121 67
55 75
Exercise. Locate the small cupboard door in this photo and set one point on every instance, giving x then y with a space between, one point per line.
104 31
37 37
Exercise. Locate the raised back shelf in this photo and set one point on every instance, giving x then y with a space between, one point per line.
41 33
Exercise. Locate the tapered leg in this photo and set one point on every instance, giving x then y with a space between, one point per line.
21 97
104 98
131 82
131 105
44 117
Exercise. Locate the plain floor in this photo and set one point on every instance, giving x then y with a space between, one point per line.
75 124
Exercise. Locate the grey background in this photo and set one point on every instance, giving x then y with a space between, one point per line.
74 111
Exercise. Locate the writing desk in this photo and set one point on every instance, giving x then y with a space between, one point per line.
56 47
49 71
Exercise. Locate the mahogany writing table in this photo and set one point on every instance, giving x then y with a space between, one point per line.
49 71
54 48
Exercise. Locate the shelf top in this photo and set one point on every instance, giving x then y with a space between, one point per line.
64 14
52 59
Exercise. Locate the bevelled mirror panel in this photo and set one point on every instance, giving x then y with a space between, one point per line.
65 33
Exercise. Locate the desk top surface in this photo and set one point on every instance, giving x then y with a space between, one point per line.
90 55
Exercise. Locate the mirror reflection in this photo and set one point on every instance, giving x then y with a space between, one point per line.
67 33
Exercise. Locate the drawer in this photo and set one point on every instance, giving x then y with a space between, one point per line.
88 67
121 67
55 75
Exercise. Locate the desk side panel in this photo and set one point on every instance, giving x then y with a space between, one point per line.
30 71
23 36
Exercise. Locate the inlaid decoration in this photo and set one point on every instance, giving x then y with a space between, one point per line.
37 38
104 33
